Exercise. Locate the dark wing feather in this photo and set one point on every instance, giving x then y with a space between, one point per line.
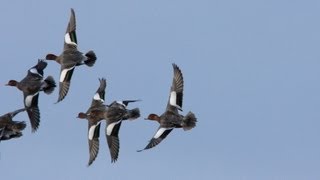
94 143
34 116
177 86
100 93
71 31
156 140
113 141
33 112
65 82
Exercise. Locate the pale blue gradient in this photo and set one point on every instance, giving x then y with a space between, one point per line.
252 77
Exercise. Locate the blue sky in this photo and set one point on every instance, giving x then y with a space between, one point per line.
251 71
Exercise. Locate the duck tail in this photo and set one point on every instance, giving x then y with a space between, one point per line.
20 125
49 85
133 114
91 58
189 121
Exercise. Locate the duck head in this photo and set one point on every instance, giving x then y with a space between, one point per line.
51 57
82 115
153 117
12 83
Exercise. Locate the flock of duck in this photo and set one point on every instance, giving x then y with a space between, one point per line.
116 112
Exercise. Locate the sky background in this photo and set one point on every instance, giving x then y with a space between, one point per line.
251 70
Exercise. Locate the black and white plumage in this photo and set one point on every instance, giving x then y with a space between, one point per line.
94 115
10 129
31 85
117 112
114 114
171 118
70 57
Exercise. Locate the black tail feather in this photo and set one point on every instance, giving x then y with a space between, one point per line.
49 85
189 121
91 58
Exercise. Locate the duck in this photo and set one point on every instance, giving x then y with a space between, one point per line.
31 85
116 113
94 115
171 118
10 129
70 57
113 114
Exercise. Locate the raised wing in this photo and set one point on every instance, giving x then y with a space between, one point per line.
176 90
99 96
70 38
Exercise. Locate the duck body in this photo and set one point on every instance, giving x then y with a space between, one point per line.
10 129
70 57
171 118
31 85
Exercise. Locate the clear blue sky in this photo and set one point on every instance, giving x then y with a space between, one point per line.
251 71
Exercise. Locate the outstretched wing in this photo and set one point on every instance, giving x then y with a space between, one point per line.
31 104
158 137
70 38
93 139
176 91
65 79
99 97
112 134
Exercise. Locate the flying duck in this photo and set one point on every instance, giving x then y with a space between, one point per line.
11 129
31 85
70 57
171 118
94 115
113 114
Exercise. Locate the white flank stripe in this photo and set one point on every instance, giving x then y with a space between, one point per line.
67 39
110 127
64 73
29 98
160 132
91 131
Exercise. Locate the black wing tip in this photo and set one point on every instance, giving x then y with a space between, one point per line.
114 160
34 116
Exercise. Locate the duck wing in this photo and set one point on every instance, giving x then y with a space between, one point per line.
70 38
65 79
31 105
99 97
37 70
158 137
93 139
112 135
176 90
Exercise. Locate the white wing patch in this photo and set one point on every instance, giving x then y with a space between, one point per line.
35 71
64 73
121 103
67 39
97 97
110 127
29 98
173 98
91 131
160 132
